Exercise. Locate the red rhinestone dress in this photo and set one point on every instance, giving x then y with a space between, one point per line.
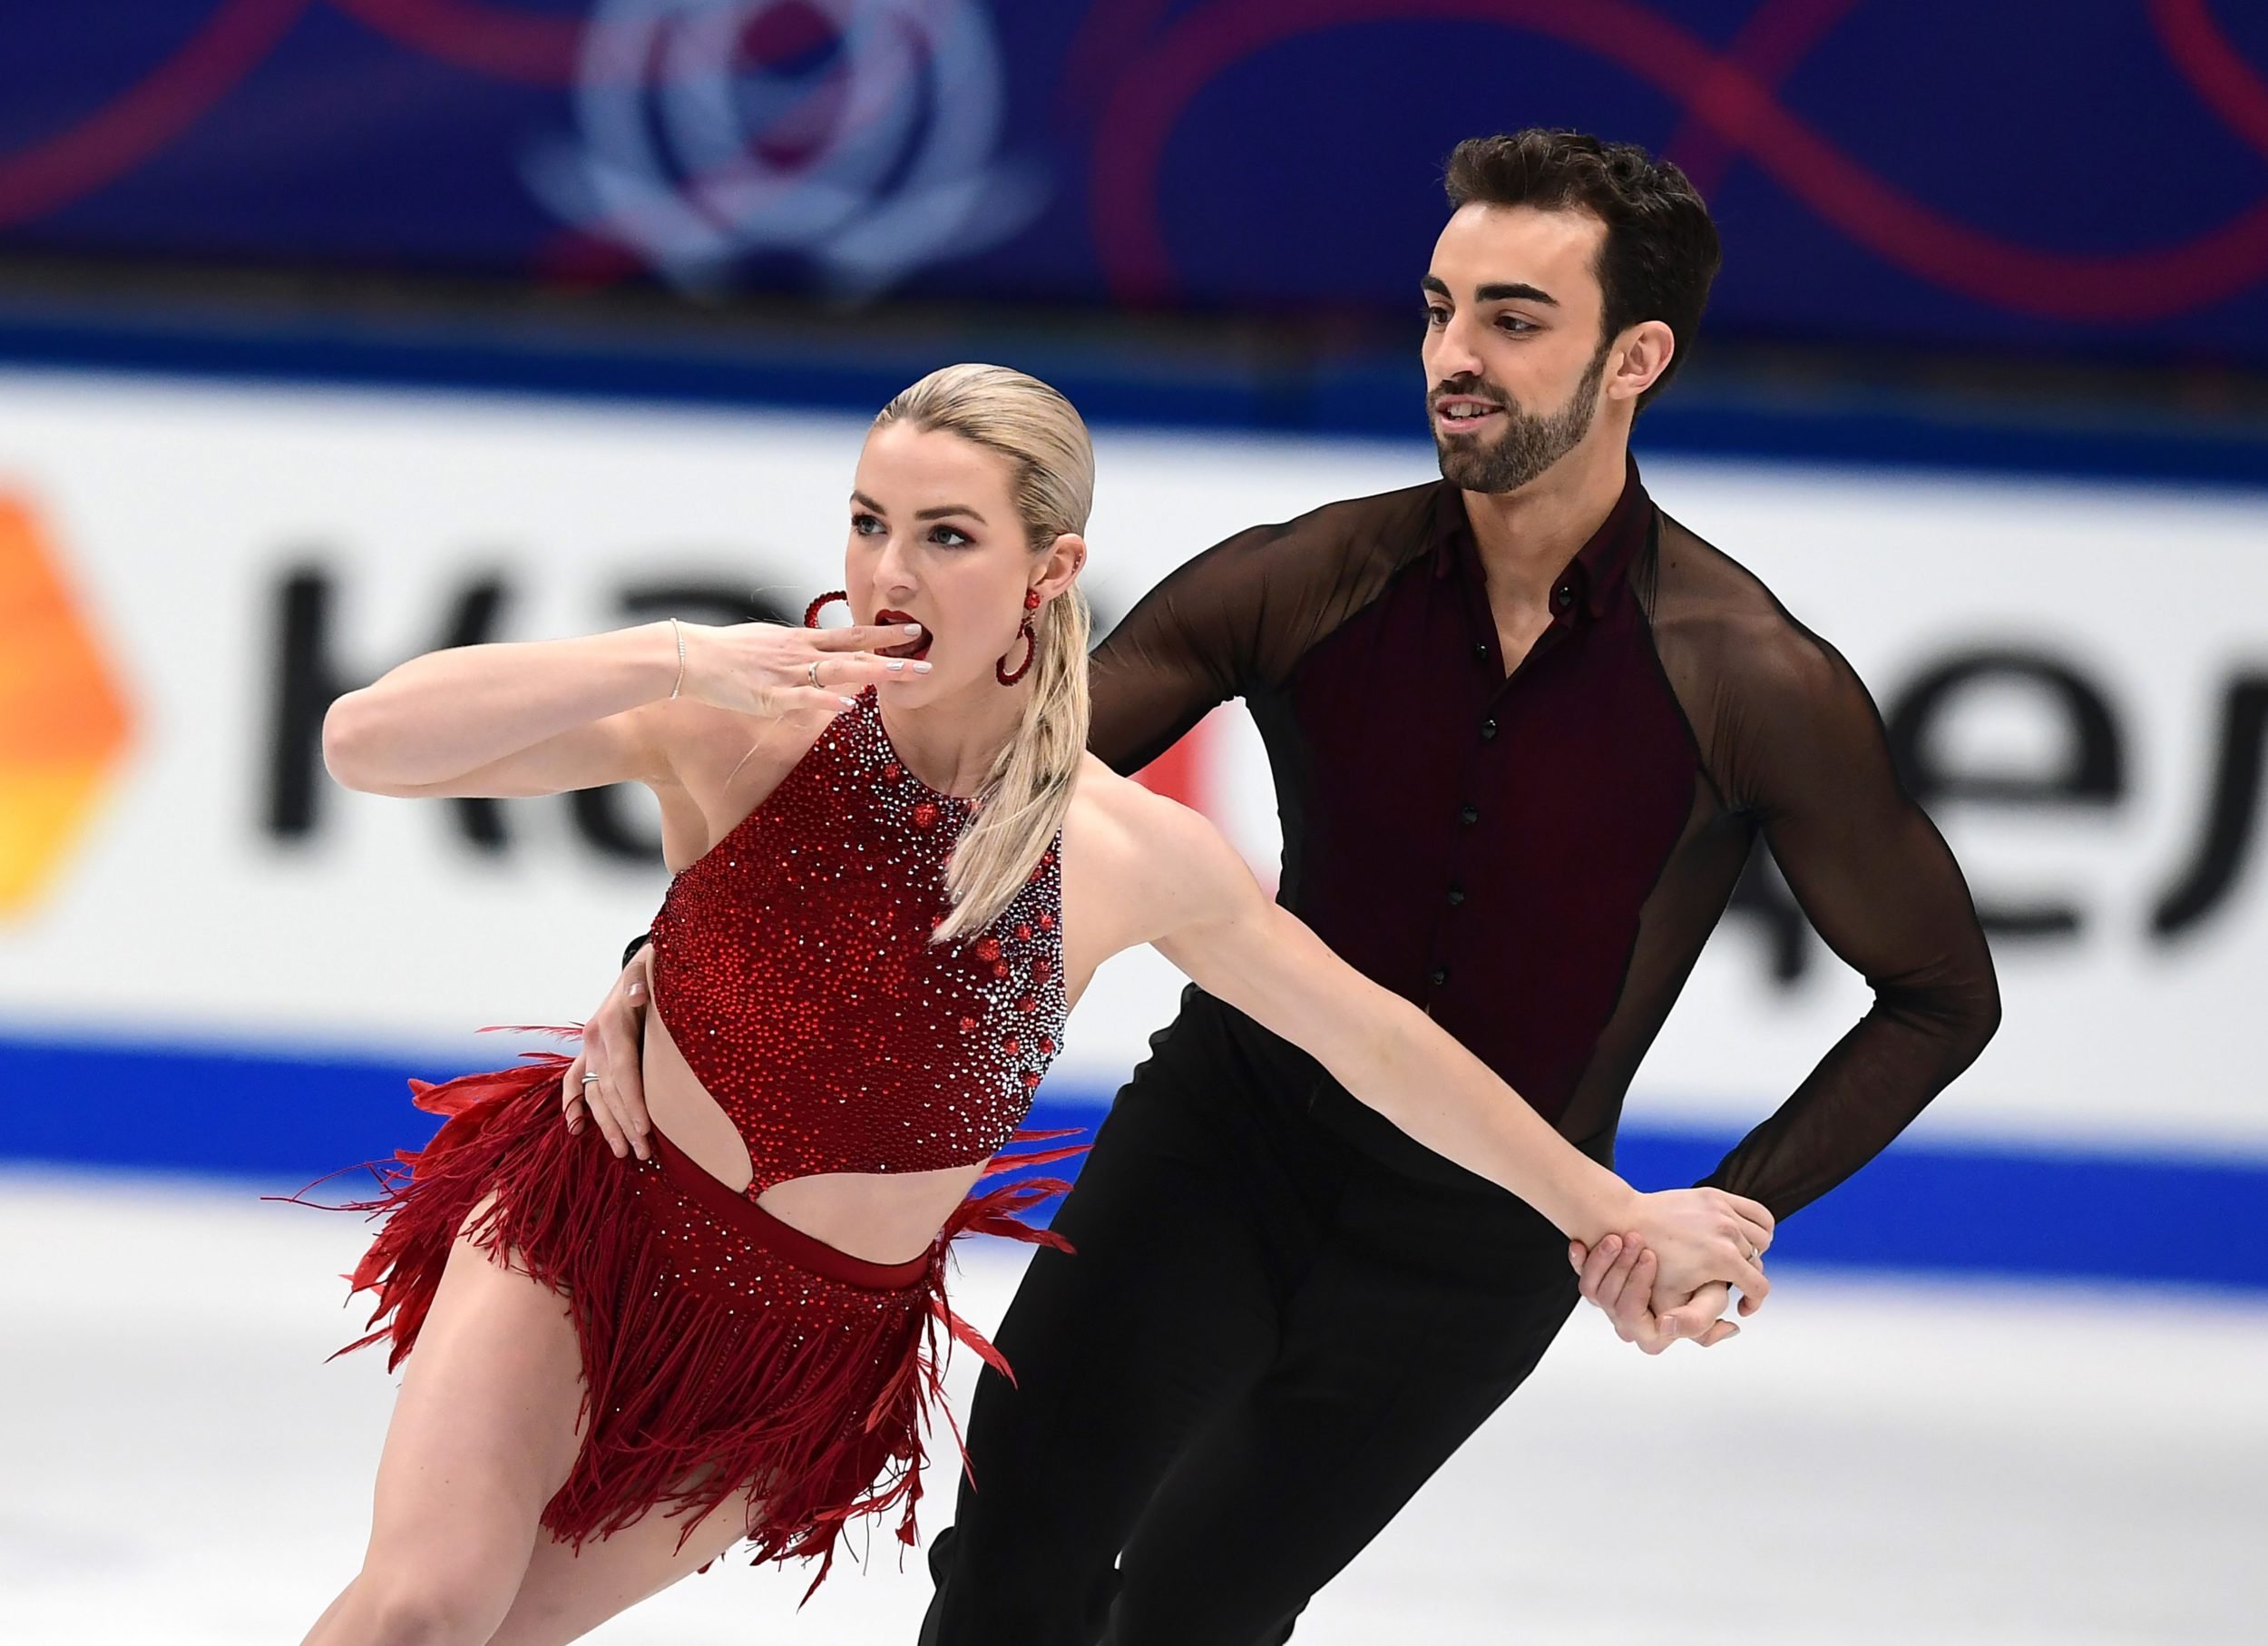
794 966
722 1349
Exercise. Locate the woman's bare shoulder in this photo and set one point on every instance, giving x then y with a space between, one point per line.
1154 853
1109 814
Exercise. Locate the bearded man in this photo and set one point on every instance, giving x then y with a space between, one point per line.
1525 729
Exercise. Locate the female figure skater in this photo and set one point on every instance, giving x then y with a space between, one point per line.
897 868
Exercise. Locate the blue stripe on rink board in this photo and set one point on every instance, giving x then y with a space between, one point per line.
282 1120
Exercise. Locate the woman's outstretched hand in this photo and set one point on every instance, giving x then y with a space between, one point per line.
613 1055
772 669
1700 1235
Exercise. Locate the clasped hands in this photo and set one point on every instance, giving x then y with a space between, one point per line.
1620 1274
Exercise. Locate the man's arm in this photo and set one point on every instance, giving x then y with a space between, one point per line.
1190 644
1876 880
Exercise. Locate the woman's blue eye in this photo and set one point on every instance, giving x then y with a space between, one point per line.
860 522
959 538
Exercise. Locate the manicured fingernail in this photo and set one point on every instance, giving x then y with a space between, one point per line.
895 664
913 628
924 667
847 702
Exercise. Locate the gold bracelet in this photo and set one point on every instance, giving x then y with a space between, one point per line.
676 629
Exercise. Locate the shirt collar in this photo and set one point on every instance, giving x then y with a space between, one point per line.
1599 565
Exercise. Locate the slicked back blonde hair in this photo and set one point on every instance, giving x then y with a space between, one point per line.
1051 482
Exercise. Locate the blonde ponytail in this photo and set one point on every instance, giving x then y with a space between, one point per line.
1025 798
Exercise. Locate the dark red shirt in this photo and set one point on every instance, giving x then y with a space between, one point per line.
1536 860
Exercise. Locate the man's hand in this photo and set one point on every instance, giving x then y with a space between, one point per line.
606 1082
1618 1274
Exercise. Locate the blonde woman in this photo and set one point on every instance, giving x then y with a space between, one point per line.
896 870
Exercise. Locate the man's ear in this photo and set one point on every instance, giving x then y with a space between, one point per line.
1640 355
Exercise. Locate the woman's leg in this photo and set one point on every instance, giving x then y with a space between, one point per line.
564 1595
483 1434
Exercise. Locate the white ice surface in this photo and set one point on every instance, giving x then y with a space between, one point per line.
1908 1463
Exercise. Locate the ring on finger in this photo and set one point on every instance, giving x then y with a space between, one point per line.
814 672
589 1079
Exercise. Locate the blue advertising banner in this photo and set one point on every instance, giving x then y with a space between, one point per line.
2088 179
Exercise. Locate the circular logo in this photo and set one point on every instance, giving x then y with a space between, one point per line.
859 133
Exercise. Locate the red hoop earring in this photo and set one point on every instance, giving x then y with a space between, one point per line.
1030 643
811 612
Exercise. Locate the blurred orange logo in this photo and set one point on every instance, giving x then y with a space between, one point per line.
64 723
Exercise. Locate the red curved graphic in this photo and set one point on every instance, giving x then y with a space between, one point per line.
1770 45
2203 53
1724 93
1107 35
125 131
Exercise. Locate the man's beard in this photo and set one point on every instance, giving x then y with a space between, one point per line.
1530 443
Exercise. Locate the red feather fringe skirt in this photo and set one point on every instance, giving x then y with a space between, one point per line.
721 1348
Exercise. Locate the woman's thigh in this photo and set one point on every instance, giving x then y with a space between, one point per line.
483 1432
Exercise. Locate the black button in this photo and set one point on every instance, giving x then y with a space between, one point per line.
1566 597
1440 975
1481 649
1456 896
1471 814
1488 729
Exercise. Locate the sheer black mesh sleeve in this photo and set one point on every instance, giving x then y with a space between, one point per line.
1236 620
1806 757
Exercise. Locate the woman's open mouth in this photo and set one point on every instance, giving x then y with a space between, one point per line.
914 650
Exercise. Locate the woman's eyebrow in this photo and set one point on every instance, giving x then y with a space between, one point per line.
938 512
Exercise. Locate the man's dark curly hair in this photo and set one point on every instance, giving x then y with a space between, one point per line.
1661 248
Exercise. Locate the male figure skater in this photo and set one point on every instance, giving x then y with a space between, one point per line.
1524 730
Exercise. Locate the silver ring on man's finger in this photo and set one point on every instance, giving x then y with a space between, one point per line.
814 672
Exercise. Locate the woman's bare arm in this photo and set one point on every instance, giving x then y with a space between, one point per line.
1167 877
537 717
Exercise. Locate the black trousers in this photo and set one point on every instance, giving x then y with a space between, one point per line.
1265 1341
